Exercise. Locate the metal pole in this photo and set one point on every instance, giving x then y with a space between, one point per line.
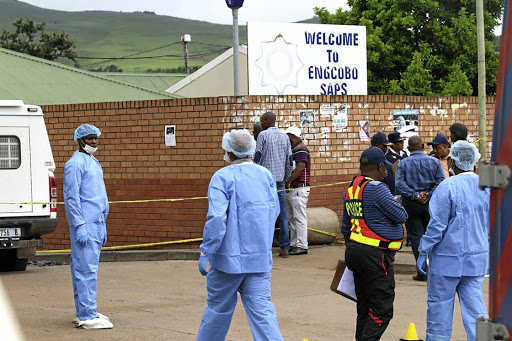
236 53
185 47
481 77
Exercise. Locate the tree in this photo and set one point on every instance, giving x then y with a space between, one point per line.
31 38
443 32
417 79
457 83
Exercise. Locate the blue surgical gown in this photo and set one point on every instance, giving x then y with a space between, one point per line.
86 203
456 242
242 210
237 239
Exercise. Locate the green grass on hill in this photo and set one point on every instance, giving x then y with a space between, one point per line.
117 34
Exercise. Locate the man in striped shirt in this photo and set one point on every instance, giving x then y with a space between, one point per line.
372 227
297 196
273 151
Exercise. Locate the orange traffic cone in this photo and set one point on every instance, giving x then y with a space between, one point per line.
411 334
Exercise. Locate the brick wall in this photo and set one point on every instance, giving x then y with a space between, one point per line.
138 165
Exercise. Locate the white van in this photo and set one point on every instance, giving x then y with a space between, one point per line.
26 176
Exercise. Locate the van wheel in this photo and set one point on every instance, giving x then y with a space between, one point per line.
9 261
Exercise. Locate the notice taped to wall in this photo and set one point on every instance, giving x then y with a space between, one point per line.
170 136
340 118
364 130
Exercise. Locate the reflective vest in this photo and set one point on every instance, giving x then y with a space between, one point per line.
361 233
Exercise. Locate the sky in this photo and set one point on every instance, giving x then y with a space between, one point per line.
214 11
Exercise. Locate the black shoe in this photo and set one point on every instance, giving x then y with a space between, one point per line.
298 251
420 278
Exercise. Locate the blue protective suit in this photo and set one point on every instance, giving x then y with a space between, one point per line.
86 203
456 243
237 239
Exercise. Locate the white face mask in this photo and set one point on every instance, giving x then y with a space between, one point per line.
88 149
226 158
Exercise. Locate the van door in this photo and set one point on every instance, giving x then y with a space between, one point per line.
15 169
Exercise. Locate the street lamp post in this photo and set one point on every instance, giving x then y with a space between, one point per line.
481 78
235 5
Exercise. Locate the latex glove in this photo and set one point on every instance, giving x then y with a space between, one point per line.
421 264
203 260
104 236
82 235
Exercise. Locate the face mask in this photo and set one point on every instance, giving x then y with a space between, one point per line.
226 158
88 149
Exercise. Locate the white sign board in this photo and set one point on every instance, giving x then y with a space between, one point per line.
306 59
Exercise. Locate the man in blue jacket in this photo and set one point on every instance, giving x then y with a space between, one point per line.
456 243
237 243
86 203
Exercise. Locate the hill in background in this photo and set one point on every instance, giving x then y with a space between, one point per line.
118 34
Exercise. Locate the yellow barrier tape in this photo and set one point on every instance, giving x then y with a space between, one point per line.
127 247
154 200
323 232
318 231
136 246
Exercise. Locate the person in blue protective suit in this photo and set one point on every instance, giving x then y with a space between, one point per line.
237 243
86 203
456 244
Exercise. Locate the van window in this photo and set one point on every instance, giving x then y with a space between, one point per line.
9 152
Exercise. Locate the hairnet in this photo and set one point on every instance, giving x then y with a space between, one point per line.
84 130
239 142
465 155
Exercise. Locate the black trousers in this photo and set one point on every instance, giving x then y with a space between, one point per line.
374 280
417 222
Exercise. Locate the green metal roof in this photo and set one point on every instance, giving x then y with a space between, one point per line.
42 82
153 81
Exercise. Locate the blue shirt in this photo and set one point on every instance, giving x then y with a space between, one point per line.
242 210
418 173
456 240
274 152
382 213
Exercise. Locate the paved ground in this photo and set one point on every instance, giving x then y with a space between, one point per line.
164 300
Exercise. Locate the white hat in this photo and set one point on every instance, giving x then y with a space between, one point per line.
294 131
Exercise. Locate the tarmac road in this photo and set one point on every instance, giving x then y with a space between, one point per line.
164 300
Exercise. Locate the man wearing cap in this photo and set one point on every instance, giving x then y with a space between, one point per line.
417 177
380 141
396 151
456 244
86 204
458 131
297 196
441 148
237 243
372 227
273 151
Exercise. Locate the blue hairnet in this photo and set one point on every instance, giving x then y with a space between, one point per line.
465 155
239 142
84 130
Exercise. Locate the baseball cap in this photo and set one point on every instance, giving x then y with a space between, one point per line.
294 130
439 140
395 137
380 137
372 156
